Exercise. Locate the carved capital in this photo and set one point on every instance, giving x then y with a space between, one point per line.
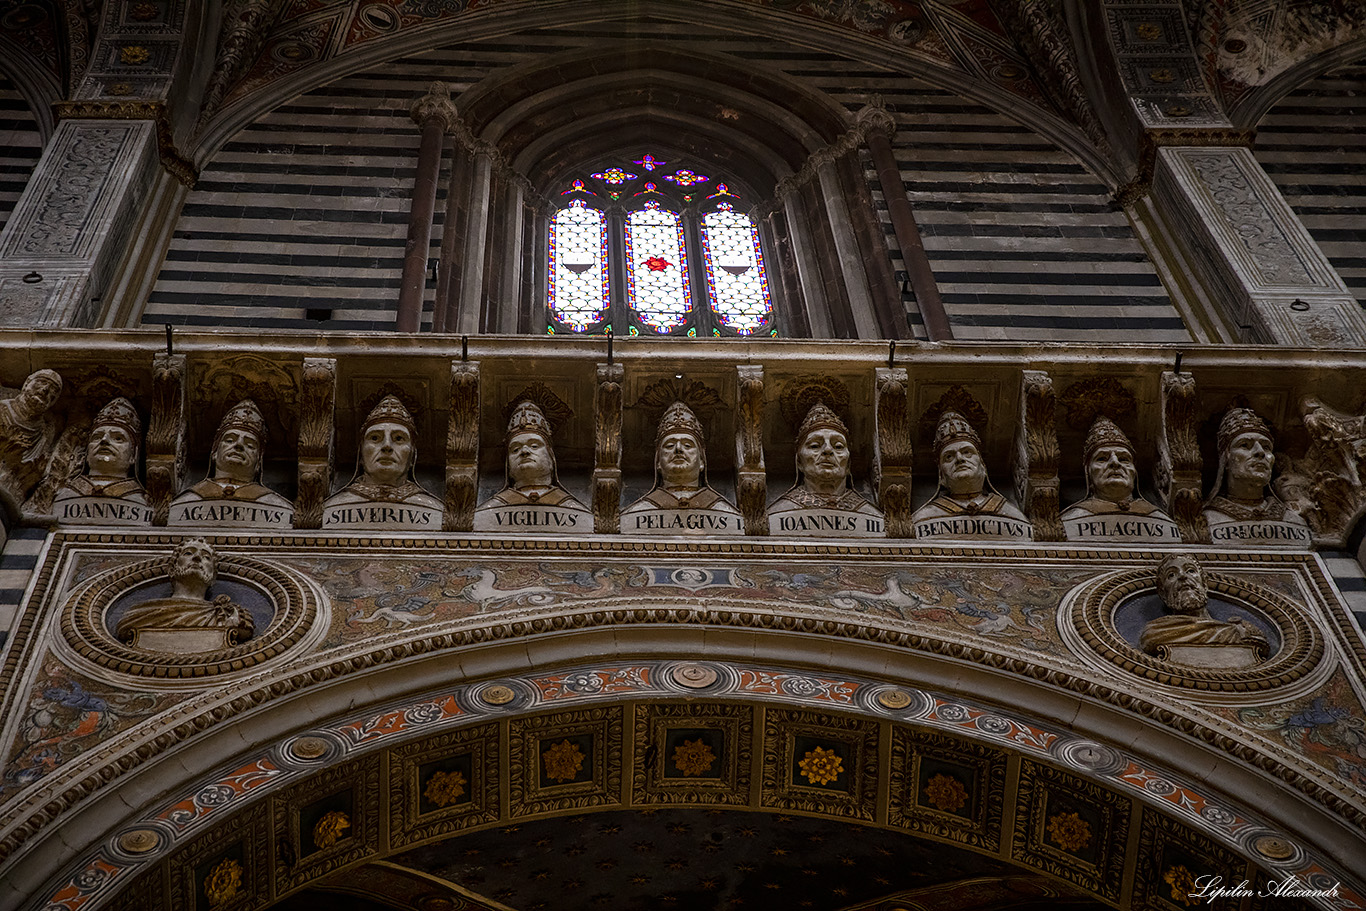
166 435
435 105
875 118
892 450
751 485
317 435
607 449
462 448
1037 455
1178 458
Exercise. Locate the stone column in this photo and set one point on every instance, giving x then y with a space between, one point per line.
71 225
509 308
476 237
879 127
851 262
457 205
435 114
1260 267
808 269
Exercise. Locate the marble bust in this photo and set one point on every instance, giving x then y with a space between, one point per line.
187 622
823 502
1187 634
966 507
233 495
680 501
1243 511
27 432
532 498
107 493
384 494
1112 509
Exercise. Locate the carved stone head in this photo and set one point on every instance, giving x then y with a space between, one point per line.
1111 472
39 393
1181 584
680 448
238 445
194 567
388 449
823 450
530 456
112 449
958 452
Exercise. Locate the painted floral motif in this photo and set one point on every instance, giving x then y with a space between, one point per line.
657 264
946 793
1183 884
1069 831
1327 727
821 766
329 830
562 761
223 882
445 788
693 757
134 55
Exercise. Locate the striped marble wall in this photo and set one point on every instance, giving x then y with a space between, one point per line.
20 146
300 221
1313 144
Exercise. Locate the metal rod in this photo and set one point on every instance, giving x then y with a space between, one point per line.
168 339
609 347
464 348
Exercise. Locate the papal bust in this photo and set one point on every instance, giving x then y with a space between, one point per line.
965 505
233 494
111 454
680 502
1243 511
532 498
822 501
384 492
1113 510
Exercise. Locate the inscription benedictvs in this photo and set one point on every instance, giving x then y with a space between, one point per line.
965 506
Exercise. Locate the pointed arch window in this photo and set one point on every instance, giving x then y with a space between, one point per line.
655 247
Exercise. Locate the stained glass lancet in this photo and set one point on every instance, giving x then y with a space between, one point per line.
579 285
657 267
737 283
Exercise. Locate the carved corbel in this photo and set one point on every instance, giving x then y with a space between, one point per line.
1037 456
166 433
1178 478
892 451
462 448
607 450
751 484
317 435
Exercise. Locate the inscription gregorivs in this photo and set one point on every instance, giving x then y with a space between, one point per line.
1112 511
233 495
107 493
965 506
1189 635
532 500
680 503
187 622
823 503
1243 512
384 493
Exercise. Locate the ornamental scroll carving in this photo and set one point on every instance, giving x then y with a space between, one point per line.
317 422
1178 458
751 486
607 449
166 454
1037 455
55 226
462 448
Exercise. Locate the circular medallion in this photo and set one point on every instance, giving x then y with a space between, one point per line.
139 841
1274 847
694 676
498 694
309 748
894 699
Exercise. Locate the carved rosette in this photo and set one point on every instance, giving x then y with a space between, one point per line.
607 449
1037 456
166 435
751 485
1178 458
462 448
317 433
892 452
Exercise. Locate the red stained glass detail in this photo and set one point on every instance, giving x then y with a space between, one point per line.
657 264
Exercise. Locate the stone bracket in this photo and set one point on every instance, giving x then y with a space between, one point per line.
1179 464
317 436
751 484
607 400
462 448
1037 455
892 450
166 433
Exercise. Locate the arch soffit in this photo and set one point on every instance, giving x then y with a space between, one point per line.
265 722
1252 108
37 84
731 15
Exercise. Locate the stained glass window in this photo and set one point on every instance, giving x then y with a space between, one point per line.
737 284
579 283
657 267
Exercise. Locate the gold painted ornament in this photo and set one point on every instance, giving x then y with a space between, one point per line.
223 882
329 830
946 793
693 757
563 761
1069 831
821 766
445 788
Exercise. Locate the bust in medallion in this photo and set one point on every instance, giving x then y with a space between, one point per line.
187 622
107 493
532 499
1112 509
233 494
1185 634
680 502
966 507
823 502
1243 511
384 494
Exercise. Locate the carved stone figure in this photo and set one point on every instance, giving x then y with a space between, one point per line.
966 507
680 503
1112 509
384 493
1326 485
26 435
187 622
1189 635
822 502
1243 512
233 495
107 493
533 499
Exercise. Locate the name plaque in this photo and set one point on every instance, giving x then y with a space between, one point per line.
378 515
231 514
825 523
1131 529
544 519
102 511
681 522
975 528
1261 534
